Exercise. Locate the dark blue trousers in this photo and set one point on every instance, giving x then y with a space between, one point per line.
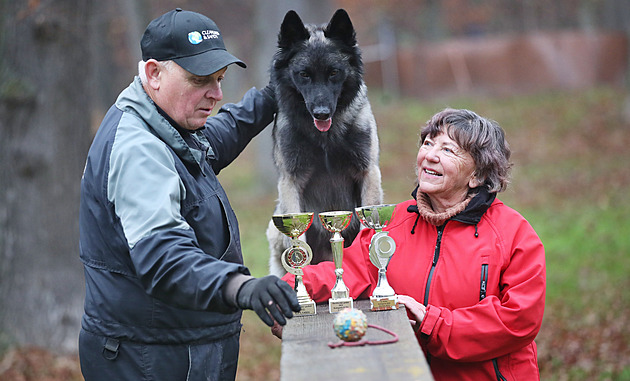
107 359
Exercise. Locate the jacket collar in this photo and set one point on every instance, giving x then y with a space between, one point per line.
474 210
136 100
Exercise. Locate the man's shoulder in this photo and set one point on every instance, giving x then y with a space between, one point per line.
133 137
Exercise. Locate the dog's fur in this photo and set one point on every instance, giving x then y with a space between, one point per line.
325 144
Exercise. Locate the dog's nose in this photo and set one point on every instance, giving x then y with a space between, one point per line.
321 114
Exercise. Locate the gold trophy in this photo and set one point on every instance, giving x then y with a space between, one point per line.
382 247
335 222
298 255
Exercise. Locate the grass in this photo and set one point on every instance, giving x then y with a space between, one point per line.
570 181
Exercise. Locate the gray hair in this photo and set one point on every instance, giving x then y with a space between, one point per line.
142 74
482 138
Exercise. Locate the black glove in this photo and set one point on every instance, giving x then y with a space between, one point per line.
268 295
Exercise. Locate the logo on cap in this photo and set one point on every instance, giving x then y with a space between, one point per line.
195 37
210 34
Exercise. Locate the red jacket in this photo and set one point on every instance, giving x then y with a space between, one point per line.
442 267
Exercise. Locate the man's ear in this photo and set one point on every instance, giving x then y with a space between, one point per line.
152 71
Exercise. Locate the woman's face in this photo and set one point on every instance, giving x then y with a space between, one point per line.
445 171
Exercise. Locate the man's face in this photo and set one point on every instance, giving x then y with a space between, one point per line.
187 98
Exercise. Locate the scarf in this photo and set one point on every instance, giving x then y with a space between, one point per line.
425 210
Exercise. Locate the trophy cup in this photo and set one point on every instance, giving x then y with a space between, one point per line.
298 255
382 247
335 222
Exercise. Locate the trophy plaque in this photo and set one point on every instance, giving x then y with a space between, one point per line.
381 248
298 255
335 222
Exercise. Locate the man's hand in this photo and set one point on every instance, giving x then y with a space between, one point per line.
268 295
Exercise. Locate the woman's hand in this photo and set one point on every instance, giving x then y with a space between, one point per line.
276 329
417 309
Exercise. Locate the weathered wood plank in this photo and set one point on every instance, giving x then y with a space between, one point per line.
306 355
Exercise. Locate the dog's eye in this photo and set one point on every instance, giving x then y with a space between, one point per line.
334 72
304 74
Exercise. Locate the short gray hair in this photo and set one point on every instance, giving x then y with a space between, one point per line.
142 74
482 138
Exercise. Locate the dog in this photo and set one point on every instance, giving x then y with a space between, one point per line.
325 143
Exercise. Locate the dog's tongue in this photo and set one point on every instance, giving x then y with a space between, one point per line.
323 125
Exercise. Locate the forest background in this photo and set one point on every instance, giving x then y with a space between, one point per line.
555 75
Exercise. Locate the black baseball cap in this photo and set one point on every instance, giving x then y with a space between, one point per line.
190 39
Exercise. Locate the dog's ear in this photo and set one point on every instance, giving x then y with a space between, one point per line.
340 28
292 30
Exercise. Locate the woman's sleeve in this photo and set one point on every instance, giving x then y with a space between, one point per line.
358 274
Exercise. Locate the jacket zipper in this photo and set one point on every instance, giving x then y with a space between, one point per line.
484 281
436 256
497 372
482 294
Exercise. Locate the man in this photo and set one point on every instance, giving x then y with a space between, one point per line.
165 283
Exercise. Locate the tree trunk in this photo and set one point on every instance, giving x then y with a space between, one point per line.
44 137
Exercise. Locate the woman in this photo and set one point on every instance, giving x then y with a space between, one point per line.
469 269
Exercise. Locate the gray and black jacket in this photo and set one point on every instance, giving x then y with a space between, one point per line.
158 237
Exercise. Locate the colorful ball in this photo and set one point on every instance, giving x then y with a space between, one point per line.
350 324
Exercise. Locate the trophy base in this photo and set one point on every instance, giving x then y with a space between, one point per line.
336 305
308 308
384 303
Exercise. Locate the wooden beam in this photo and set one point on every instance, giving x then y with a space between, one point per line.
307 356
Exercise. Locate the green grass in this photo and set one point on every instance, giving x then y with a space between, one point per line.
587 250
570 180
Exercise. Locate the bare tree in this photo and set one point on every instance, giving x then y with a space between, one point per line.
44 136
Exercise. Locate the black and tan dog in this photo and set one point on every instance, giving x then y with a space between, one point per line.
325 143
